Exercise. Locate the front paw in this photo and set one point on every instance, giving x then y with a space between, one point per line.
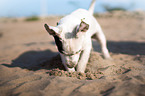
71 69
108 57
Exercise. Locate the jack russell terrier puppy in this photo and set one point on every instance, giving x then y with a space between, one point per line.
73 38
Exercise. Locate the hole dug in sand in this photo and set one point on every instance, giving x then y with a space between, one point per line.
97 68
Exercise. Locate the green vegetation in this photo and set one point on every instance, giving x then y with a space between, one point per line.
33 18
97 15
110 9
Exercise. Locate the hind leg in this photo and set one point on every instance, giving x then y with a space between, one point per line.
102 40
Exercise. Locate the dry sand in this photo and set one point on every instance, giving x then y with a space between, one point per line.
30 64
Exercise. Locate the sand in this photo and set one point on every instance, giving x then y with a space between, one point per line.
31 66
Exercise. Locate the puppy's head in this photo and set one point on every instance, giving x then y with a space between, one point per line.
69 40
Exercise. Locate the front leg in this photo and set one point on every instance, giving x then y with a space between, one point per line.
84 59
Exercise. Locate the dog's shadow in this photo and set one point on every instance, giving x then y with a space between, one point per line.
127 47
36 60
123 47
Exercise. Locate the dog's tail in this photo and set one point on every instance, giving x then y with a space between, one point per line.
92 6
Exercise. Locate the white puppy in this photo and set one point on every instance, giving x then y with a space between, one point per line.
73 38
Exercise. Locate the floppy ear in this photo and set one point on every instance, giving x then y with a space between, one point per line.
83 27
52 30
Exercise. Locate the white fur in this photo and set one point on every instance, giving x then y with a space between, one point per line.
82 42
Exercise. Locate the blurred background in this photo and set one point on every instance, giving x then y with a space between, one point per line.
23 8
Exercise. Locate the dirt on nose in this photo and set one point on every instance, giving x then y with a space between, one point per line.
70 65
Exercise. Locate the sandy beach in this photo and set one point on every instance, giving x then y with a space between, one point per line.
30 64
